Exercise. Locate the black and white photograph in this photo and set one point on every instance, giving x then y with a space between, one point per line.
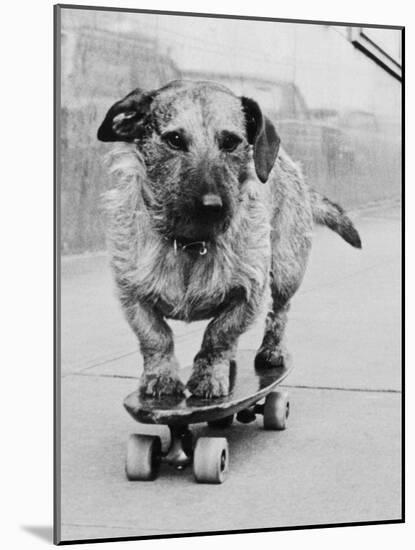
228 220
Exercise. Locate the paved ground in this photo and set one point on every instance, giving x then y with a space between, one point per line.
339 460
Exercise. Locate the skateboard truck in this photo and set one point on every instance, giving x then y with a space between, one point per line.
180 450
249 415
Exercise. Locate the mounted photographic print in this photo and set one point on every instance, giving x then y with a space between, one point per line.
228 274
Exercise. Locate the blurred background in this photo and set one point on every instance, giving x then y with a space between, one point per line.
334 94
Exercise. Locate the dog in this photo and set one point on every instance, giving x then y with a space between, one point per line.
207 214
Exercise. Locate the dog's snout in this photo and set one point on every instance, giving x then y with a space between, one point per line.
211 200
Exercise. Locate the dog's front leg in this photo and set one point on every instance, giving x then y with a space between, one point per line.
210 374
160 375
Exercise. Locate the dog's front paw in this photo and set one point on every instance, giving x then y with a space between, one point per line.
270 358
163 382
209 381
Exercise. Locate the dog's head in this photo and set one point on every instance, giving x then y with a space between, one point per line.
197 140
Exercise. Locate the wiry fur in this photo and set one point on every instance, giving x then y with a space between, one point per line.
142 259
264 240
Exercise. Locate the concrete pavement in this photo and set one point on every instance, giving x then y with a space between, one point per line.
338 461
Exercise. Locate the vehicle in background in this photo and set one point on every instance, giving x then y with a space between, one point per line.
368 146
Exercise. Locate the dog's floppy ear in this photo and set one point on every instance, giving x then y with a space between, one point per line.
263 136
124 121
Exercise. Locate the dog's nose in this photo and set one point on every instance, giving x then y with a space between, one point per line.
212 200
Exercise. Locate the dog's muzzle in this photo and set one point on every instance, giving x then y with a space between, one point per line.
209 209
198 222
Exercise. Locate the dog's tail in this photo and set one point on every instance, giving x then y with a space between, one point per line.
331 215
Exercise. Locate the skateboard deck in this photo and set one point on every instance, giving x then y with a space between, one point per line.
247 386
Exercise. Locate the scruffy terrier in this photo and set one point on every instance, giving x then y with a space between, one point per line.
207 212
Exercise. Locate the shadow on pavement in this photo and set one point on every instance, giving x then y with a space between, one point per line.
44 532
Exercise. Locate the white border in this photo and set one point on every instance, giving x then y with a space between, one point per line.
26 237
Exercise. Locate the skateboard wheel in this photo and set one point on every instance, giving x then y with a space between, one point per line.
143 457
221 422
276 411
211 460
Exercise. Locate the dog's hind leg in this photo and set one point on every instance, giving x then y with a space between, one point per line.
272 352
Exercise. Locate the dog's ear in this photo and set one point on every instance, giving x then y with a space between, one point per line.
262 135
124 121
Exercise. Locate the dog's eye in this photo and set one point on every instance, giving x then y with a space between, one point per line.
229 142
175 141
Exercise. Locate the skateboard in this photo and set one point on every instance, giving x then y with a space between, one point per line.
252 392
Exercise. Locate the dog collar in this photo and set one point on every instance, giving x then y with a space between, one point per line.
200 246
